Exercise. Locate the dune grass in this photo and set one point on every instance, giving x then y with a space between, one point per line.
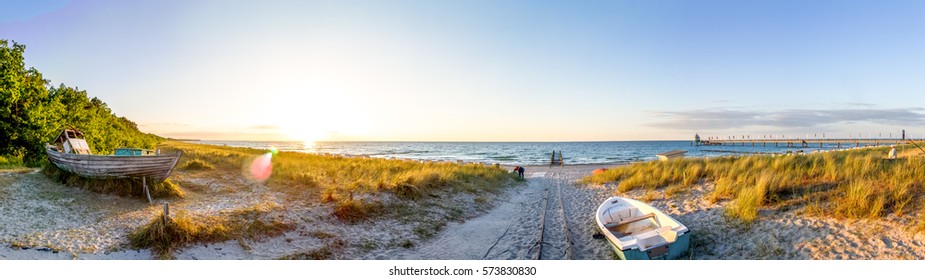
353 211
196 164
845 184
129 187
409 179
347 182
184 229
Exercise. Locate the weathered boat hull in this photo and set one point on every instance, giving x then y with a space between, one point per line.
675 250
99 166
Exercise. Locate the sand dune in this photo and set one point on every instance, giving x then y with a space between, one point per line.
45 220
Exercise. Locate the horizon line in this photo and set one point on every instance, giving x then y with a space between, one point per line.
432 141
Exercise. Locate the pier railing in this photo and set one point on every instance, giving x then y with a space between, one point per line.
804 143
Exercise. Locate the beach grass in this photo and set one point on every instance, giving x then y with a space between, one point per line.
356 189
346 182
196 164
183 229
860 183
353 211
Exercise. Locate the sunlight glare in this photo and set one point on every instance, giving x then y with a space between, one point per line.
319 116
262 167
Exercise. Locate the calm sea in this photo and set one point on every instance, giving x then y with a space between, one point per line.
525 153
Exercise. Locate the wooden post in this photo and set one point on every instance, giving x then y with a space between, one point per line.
560 158
147 193
166 211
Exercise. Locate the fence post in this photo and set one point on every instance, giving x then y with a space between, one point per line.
166 212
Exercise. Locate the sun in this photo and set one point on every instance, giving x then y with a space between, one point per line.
311 113
318 118
303 132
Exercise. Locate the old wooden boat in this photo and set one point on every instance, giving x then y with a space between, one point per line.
638 231
70 152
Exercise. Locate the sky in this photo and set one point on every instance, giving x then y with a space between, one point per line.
493 70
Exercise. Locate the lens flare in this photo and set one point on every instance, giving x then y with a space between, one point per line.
261 167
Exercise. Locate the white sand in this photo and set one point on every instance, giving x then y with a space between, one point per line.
47 217
787 234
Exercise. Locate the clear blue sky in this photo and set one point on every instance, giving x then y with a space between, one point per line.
487 70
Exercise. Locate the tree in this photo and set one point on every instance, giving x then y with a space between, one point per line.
32 113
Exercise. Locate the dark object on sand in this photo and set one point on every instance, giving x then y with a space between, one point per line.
556 161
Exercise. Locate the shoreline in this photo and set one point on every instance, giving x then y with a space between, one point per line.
513 153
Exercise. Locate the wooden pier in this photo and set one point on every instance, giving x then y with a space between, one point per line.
803 143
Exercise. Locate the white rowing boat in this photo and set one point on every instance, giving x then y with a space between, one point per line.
638 231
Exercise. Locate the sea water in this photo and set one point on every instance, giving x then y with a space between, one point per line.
518 153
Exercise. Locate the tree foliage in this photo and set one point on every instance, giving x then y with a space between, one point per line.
32 113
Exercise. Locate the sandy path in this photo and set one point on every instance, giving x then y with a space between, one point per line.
511 229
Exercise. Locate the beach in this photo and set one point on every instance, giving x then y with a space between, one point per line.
43 219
